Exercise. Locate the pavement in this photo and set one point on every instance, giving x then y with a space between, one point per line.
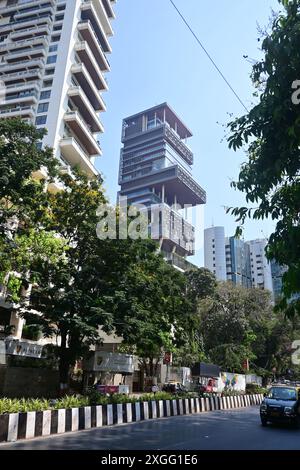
220 430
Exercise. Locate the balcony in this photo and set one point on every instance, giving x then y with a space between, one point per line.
86 56
85 108
88 12
40 174
30 42
34 31
84 135
169 225
177 182
109 9
27 65
28 53
87 84
20 77
17 26
75 155
89 35
21 5
20 111
179 262
105 21
27 97
22 87
23 15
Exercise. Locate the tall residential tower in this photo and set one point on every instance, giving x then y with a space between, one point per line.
53 61
156 171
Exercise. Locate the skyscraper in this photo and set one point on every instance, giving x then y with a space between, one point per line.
156 171
243 263
214 252
260 266
53 61
238 261
277 274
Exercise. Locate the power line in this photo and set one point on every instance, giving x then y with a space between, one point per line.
208 55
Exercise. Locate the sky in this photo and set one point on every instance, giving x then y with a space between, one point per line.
156 59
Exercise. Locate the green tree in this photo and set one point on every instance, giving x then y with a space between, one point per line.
151 311
225 327
201 283
270 133
21 196
23 202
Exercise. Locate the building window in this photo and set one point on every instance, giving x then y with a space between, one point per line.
52 59
49 71
45 95
47 83
40 120
43 107
53 48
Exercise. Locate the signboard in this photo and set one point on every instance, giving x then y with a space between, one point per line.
167 358
22 348
231 381
206 370
113 362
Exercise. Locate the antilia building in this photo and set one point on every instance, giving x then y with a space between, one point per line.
156 171
53 66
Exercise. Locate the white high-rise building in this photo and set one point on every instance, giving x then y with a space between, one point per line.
214 252
233 259
53 61
260 267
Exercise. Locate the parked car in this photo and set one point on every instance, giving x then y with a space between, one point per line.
281 404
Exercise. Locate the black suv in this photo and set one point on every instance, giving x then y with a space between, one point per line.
281 404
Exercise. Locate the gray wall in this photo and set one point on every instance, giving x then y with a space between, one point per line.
18 382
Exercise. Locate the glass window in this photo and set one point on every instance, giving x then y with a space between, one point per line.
45 95
43 107
53 48
47 83
52 59
40 120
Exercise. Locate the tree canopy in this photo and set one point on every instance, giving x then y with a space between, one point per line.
270 133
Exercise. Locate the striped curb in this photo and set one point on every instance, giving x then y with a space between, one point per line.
15 426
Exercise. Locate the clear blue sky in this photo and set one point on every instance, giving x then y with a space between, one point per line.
156 59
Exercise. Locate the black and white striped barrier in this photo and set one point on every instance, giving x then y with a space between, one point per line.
16 426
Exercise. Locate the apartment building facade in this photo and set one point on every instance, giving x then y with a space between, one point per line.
214 252
260 267
238 269
241 262
53 66
156 171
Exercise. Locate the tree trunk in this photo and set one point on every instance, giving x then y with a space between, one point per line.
151 367
64 365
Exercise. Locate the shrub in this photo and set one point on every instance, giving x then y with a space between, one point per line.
71 402
8 405
254 389
157 396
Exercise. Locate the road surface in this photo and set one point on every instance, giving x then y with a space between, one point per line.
222 430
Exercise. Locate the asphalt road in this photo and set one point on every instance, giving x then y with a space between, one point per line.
220 430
